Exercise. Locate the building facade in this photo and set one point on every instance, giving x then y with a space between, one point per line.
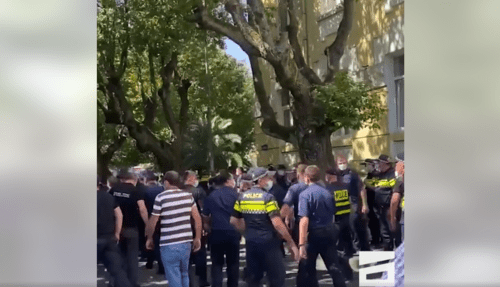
374 54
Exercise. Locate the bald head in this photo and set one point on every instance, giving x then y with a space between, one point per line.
312 173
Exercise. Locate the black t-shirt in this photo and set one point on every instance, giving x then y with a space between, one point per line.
127 197
106 205
198 193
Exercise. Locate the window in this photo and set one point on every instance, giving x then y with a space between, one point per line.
326 6
394 78
399 84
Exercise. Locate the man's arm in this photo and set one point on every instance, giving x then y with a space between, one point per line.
143 210
303 227
206 222
197 226
150 230
283 232
238 223
118 222
396 197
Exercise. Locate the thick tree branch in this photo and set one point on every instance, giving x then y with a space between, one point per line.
146 140
293 30
167 74
182 90
261 20
336 50
270 125
110 116
251 36
204 20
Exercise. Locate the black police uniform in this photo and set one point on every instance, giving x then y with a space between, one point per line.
342 215
373 224
383 187
263 253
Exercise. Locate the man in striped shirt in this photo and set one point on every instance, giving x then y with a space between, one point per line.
175 207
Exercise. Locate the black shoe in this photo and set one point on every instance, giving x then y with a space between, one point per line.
161 271
149 265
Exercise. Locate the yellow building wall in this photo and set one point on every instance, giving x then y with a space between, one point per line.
374 27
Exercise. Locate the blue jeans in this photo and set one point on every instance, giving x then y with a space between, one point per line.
175 259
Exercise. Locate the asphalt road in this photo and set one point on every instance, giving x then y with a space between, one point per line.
149 278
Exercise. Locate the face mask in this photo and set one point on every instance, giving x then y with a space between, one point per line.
281 172
196 184
269 185
342 167
396 174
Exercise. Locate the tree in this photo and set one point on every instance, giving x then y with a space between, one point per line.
151 78
226 152
261 31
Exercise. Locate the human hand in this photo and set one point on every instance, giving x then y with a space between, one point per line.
303 252
196 245
150 244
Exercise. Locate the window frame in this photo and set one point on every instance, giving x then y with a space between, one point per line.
390 80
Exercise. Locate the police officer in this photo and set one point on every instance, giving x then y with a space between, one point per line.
256 214
339 191
396 209
199 258
359 209
317 230
290 209
342 215
224 239
383 187
373 224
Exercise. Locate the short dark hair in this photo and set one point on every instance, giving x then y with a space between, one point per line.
124 174
173 178
222 177
332 171
313 173
150 175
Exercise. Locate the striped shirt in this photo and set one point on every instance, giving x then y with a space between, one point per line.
174 209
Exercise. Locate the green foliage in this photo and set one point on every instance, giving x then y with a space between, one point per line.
225 145
349 104
151 31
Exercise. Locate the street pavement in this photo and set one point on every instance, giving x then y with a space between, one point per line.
149 278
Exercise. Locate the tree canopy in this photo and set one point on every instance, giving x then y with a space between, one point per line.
153 81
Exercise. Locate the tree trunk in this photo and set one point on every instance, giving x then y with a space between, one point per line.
315 147
103 169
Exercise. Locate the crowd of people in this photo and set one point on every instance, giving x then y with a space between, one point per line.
334 213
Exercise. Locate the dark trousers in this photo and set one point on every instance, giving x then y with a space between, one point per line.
109 254
155 254
385 232
345 239
226 246
359 227
322 241
373 223
199 259
265 257
129 246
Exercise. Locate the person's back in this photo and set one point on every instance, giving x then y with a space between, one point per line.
321 206
127 196
224 238
109 219
105 214
252 205
152 191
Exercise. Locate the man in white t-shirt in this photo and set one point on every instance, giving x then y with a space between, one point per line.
175 208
